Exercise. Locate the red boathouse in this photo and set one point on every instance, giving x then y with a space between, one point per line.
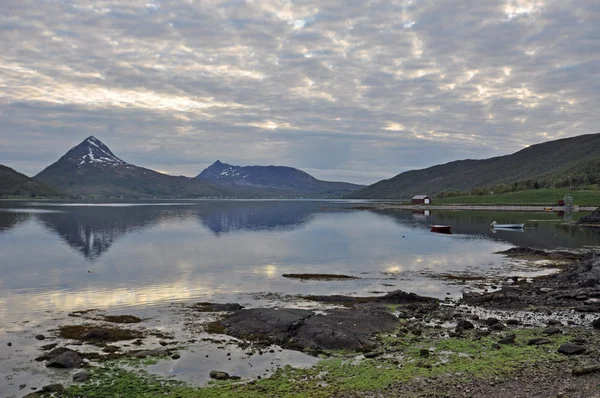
421 200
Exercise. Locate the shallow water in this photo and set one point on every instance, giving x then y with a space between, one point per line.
61 257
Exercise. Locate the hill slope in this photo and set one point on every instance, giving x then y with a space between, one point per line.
91 169
549 161
273 181
13 183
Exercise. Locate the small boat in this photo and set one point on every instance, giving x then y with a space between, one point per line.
441 228
494 224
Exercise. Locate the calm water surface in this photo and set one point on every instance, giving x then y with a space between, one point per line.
73 256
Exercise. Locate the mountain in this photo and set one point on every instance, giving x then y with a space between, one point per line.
13 183
273 181
552 162
91 169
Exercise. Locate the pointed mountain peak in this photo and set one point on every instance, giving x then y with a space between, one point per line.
217 163
92 151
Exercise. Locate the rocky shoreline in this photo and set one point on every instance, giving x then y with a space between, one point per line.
532 338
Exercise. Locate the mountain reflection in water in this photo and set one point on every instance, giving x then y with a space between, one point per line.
68 257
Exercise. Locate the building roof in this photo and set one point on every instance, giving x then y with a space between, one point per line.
420 197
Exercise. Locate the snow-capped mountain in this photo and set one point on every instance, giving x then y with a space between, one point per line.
93 151
273 180
92 169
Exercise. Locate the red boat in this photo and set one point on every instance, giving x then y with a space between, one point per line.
445 229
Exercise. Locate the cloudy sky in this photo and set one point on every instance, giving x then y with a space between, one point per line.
350 90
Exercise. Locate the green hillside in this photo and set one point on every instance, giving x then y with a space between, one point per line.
544 197
561 163
15 184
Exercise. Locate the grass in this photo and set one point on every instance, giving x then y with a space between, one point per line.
461 357
544 197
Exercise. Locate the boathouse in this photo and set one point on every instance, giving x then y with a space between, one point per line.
421 200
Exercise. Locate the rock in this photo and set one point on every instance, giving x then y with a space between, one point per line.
218 375
163 343
538 341
571 349
546 289
22 386
344 329
510 339
110 348
551 330
40 337
54 353
463 324
81 376
497 327
145 353
482 332
48 346
596 324
175 356
53 388
33 395
372 354
67 360
512 322
491 321
589 282
496 346
584 370
229 307
424 353
9 344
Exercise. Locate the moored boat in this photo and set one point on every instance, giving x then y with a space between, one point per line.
494 224
441 228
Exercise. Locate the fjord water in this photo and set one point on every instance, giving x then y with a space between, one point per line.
73 256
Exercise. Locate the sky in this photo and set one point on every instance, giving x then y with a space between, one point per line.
351 90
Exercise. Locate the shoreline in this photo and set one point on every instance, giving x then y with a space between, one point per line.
397 345
479 207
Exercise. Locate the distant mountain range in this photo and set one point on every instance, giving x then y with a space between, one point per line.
553 163
276 180
13 183
91 169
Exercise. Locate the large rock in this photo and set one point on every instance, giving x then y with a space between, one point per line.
593 218
344 330
571 349
54 353
270 324
596 324
218 375
67 360
338 329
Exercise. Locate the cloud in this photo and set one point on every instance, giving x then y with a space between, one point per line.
343 88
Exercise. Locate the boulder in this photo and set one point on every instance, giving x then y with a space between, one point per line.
571 349
341 329
538 341
67 360
218 375
596 324
81 376
463 324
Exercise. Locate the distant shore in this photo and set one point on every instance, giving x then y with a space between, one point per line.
478 207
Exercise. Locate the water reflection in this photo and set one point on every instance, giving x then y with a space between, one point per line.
152 254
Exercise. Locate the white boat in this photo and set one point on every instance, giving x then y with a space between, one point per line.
495 225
